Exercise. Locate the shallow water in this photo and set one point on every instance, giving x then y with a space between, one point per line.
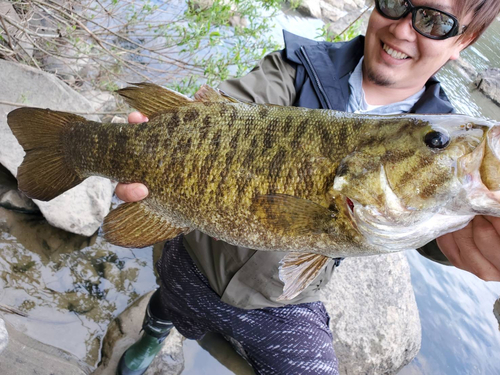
71 286
460 334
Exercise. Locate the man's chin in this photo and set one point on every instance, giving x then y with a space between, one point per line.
378 79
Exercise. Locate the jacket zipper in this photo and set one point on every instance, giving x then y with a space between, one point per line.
316 82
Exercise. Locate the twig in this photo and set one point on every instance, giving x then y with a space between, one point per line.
12 310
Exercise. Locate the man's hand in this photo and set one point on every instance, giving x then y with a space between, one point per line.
475 248
132 192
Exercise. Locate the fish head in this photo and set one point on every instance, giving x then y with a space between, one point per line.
417 177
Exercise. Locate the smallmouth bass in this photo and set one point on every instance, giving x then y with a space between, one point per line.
319 184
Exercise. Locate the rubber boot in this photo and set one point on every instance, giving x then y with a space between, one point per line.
137 358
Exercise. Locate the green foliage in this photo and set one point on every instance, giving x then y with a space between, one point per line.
351 32
180 45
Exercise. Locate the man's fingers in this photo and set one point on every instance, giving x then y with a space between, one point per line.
136 118
131 192
487 239
470 256
450 249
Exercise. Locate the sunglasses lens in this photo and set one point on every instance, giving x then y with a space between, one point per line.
392 8
433 23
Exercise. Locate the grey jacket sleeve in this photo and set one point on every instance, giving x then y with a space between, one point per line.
271 82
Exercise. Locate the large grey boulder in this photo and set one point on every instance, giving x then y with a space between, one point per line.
81 209
337 14
464 68
374 315
488 82
26 356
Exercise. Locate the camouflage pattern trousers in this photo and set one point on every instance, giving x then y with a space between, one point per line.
294 339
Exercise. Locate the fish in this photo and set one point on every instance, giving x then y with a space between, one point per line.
315 183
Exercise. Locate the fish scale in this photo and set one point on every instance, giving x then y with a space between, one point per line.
318 184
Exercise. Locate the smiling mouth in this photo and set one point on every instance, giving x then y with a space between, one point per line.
393 53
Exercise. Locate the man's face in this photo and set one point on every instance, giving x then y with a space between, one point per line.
397 56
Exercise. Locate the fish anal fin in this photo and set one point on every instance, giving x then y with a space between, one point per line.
137 224
298 270
151 99
292 215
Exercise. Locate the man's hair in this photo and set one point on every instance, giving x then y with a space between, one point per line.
483 14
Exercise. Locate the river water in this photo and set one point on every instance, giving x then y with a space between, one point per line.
73 286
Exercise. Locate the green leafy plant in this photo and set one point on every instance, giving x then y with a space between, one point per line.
171 43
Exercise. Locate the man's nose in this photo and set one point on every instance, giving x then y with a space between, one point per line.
403 29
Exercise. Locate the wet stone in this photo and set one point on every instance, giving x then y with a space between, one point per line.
14 200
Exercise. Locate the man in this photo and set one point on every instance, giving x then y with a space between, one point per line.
208 285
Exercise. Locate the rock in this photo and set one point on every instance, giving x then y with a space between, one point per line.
374 316
331 13
15 200
102 101
125 330
10 197
310 8
465 68
170 360
79 210
489 83
26 356
118 120
223 352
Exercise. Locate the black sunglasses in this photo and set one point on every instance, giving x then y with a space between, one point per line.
429 22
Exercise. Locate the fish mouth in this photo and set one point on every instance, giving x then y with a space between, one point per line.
350 204
479 174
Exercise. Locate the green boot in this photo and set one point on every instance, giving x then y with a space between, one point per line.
139 356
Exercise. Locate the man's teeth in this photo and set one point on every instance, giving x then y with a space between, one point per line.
395 54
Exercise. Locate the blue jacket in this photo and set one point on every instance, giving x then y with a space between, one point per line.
323 71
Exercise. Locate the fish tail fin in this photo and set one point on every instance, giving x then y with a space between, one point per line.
44 173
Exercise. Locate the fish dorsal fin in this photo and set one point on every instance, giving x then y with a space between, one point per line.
208 94
292 215
137 224
151 99
298 270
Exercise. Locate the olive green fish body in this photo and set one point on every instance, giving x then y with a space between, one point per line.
317 183
207 163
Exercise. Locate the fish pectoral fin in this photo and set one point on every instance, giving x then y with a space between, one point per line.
151 99
292 215
137 224
298 270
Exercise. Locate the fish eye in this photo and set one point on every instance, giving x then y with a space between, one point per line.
436 139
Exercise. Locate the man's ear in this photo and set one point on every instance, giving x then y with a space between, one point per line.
461 44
